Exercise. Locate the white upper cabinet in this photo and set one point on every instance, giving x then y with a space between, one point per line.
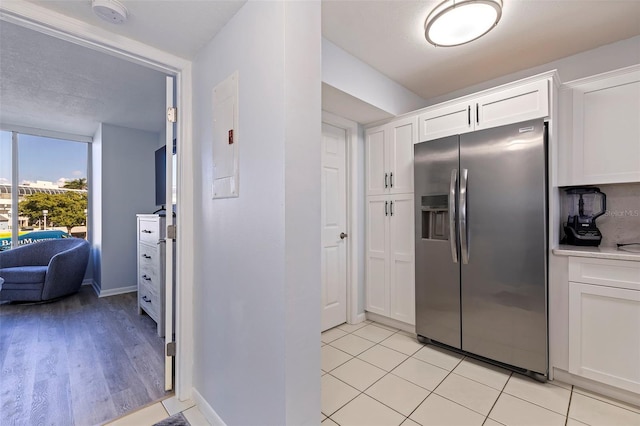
389 157
402 136
377 176
512 103
600 128
445 121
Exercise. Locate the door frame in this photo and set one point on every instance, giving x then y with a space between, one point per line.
353 223
57 25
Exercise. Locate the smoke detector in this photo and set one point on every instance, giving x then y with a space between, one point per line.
110 10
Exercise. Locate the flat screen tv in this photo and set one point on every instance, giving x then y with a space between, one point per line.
161 176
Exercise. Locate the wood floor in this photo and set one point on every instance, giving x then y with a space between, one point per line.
82 360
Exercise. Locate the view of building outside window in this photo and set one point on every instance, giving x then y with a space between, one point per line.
51 192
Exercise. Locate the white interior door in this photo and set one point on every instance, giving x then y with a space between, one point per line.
334 222
170 281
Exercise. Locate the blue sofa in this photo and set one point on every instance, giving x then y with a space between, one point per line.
43 271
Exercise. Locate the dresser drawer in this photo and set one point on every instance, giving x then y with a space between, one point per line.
149 256
150 277
149 231
149 301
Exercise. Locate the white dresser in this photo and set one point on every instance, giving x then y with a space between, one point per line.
151 280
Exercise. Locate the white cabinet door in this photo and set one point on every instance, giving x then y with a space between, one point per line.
377 177
606 130
439 122
377 252
604 334
389 157
402 135
401 259
390 282
512 105
495 108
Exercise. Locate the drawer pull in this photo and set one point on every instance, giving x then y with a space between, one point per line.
146 231
146 299
145 277
146 256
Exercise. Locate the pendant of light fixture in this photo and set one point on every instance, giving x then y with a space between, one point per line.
456 22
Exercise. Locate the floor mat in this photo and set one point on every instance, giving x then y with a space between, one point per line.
175 420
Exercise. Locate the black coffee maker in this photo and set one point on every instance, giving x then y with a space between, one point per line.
585 204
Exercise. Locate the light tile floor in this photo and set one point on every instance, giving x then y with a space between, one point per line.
376 375
161 410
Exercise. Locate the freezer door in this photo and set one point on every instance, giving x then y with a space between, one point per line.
437 251
503 269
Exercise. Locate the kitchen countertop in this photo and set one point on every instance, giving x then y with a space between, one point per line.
597 252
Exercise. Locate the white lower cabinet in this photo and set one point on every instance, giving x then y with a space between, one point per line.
604 322
390 270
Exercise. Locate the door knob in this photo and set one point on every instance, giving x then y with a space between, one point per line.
343 235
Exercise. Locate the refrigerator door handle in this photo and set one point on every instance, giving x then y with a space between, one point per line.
464 235
452 215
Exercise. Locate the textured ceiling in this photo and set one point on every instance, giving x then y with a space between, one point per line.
57 85
60 86
178 27
389 36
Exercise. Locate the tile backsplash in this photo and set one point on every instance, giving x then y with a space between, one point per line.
621 222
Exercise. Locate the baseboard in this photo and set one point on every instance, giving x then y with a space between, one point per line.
207 411
597 387
120 290
359 318
94 285
390 322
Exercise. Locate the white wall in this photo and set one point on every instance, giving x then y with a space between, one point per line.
358 79
362 206
591 62
257 257
123 185
95 207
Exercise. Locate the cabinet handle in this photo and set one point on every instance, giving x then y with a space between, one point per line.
391 208
146 299
386 182
146 256
477 114
391 179
469 114
386 212
146 278
146 231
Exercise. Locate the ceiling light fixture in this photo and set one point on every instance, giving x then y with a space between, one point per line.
456 22
110 10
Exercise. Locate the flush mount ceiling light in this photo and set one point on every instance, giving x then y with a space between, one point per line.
110 10
456 22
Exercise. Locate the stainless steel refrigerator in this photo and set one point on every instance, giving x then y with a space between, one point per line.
481 243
